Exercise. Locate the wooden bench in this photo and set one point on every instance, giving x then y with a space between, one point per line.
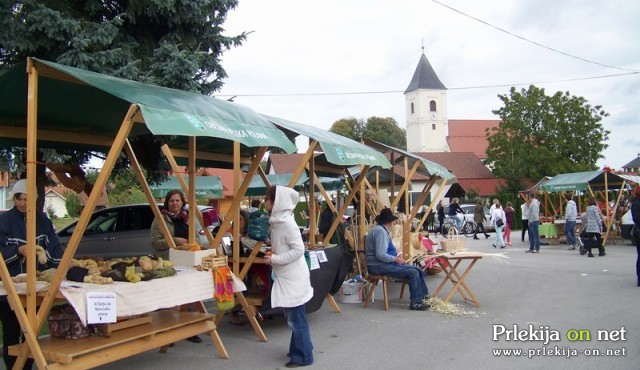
166 327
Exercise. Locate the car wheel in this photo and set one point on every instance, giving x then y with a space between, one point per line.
468 229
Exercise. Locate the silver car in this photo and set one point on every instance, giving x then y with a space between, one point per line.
120 231
469 212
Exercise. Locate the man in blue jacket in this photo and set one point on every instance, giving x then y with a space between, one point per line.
13 245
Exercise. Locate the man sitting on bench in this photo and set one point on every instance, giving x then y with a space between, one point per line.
383 259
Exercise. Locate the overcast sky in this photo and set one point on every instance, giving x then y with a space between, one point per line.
361 54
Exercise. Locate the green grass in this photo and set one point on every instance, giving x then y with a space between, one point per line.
59 223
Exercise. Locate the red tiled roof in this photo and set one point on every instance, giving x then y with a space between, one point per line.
484 187
470 136
462 165
226 175
283 163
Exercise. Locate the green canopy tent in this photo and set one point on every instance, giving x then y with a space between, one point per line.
257 186
338 155
409 164
207 187
596 183
56 106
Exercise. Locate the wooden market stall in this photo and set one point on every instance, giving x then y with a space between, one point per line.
600 184
333 156
56 106
408 165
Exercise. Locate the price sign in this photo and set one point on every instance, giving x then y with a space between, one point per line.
101 307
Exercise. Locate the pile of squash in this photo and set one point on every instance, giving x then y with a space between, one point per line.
133 269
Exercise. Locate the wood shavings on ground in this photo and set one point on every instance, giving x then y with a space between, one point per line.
448 308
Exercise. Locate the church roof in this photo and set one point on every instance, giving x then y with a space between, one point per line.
462 165
470 135
425 77
634 163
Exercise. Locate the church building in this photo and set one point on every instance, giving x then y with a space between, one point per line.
459 145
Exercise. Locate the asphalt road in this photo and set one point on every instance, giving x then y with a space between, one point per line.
558 290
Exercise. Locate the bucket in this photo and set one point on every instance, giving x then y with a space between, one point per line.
351 292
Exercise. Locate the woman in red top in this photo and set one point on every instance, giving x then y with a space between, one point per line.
506 234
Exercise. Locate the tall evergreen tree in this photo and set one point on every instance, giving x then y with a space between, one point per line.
176 44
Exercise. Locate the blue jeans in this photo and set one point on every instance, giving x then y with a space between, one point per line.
534 235
570 232
458 219
499 240
417 287
300 346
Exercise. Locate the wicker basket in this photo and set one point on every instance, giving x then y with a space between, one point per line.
434 270
453 241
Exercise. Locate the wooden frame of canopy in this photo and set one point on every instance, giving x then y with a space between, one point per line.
411 165
33 313
591 184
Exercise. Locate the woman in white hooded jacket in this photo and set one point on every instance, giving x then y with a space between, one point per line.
292 285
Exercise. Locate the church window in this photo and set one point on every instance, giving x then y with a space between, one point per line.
433 126
412 109
432 106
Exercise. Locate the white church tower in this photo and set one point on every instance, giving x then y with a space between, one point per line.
426 109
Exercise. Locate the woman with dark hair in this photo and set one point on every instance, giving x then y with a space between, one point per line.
508 223
291 287
594 227
176 219
440 212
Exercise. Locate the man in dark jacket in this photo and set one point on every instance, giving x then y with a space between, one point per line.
13 240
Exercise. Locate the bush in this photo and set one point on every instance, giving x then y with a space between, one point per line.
73 204
51 212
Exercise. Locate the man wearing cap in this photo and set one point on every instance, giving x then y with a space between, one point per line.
13 240
384 259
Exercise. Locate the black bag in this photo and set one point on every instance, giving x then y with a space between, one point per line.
583 233
499 222
258 228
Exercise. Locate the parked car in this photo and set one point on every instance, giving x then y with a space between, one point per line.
469 211
626 223
120 231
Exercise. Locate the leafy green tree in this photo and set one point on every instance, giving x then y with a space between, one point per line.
73 204
543 135
384 130
351 127
175 44
125 189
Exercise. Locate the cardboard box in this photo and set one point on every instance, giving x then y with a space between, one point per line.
188 258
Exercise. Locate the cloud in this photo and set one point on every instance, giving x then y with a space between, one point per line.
374 46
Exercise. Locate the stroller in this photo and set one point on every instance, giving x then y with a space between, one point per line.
587 244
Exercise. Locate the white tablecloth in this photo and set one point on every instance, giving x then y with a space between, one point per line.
145 296
187 286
